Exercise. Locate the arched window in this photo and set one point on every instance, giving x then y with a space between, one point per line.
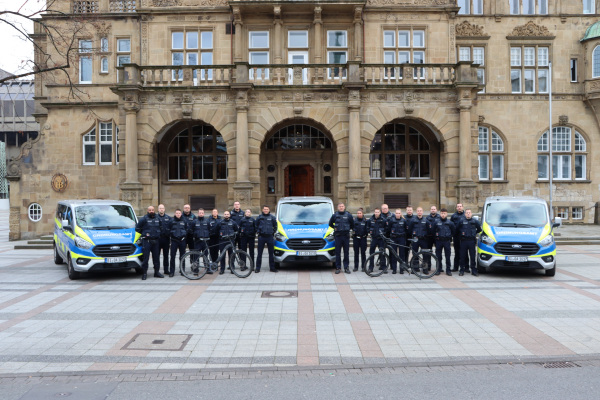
400 151
298 137
491 154
596 63
569 153
197 153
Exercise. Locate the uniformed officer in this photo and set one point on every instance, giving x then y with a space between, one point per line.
227 228
189 217
247 233
408 216
177 228
385 211
359 240
200 230
432 219
456 218
376 227
150 228
468 229
266 226
444 231
396 228
213 241
164 241
342 223
418 229
236 215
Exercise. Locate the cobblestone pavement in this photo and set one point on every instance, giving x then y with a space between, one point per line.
117 327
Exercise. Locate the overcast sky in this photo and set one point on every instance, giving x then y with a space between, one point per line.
14 48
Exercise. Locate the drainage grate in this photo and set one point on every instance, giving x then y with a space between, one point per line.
560 364
281 294
153 341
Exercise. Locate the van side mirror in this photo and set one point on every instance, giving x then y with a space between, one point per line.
557 222
65 224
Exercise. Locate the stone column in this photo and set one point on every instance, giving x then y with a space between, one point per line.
466 188
277 42
237 44
355 187
131 189
318 22
358 34
242 188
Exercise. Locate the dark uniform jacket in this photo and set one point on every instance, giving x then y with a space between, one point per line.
377 226
266 225
200 227
431 222
409 219
342 223
469 228
212 223
237 216
189 217
247 227
226 228
444 229
360 227
165 220
396 227
418 227
149 226
456 218
177 228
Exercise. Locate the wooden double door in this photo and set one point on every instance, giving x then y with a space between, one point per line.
299 180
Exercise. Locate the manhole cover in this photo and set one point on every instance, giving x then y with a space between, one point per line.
280 293
560 364
153 341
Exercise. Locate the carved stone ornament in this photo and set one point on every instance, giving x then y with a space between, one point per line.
530 29
102 28
481 119
166 3
59 183
467 29
563 119
409 2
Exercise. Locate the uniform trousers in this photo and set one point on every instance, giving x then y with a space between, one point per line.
360 248
247 245
342 242
270 242
422 243
176 245
164 244
377 243
443 244
398 246
151 247
467 247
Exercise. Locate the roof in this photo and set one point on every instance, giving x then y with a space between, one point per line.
304 198
5 74
592 32
92 202
530 199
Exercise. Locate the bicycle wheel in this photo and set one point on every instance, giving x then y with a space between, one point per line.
375 261
424 264
192 265
241 264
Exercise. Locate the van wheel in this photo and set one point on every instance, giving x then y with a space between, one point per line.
57 258
551 272
73 275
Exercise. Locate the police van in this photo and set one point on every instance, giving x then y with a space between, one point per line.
94 235
303 232
517 233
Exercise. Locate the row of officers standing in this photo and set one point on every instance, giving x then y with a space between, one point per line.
161 232
435 229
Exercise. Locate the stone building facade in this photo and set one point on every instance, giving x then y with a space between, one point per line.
401 101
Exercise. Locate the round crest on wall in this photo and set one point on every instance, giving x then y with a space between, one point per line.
59 183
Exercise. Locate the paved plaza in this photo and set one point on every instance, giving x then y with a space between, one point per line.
314 318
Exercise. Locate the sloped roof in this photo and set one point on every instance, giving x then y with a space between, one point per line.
592 32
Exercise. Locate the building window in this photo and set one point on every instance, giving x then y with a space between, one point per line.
529 69
85 6
574 70
576 213
298 137
404 46
596 63
104 65
491 154
400 151
197 153
470 6
123 52
122 5
477 55
298 39
337 53
192 48
528 7
35 212
589 6
85 61
569 154
562 212
103 147
259 53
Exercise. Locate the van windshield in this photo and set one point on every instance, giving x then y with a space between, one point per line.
105 217
516 214
305 213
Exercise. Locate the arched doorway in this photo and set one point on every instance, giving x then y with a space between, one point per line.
404 165
192 166
298 159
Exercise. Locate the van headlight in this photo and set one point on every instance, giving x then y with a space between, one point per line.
330 238
82 244
547 241
279 237
487 240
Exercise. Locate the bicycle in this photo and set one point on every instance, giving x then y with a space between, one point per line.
416 265
240 263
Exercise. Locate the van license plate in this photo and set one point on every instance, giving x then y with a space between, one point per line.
306 253
516 259
112 260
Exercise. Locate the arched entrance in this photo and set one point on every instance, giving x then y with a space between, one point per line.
192 167
298 159
405 165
